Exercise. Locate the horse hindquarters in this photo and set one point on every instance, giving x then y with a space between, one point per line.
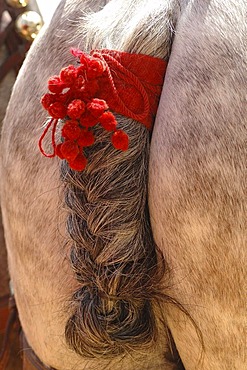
197 193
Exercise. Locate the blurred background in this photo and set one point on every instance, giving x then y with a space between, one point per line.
20 22
47 8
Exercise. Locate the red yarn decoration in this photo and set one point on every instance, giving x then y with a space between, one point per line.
55 85
70 150
95 68
57 110
58 151
85 95
88 120
86 138
71 130
120 140
97 107
76 108
47 100
108 121
79 163
68 75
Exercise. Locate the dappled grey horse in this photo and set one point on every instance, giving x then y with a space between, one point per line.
181 294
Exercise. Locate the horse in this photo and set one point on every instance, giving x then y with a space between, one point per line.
138 261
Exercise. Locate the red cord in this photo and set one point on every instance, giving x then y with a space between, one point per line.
53 140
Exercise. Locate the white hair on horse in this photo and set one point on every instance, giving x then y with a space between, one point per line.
134 26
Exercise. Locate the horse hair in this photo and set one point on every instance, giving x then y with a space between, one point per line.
113 254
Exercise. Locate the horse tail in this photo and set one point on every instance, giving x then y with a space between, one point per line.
113 254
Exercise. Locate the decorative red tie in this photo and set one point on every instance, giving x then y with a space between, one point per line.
105 81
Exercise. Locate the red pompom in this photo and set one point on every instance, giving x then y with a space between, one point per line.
86 138
79 163
57 110
120 140
68 75
108 121
87 120
84 60
76 108
71 130
97 107
63 98
55 85
69 149
79 83
96 68
81 70
58 151
47 100
90 89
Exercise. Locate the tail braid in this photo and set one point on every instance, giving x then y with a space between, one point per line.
113 254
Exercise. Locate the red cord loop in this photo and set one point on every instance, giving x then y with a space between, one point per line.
54 122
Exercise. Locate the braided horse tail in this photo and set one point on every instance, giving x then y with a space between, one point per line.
113 255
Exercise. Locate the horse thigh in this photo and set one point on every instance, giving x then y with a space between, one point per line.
197 185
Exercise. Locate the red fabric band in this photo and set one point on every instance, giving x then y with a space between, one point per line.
138 80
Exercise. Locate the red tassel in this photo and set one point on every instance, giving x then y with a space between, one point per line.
55 85
76 108
95 68
57 110
120 140
108 121
62 98
47 100
86 138
69 149
50 123
68 75
84 60
71 130
87 120
91 89
79 83
79 163
97 107
58 151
